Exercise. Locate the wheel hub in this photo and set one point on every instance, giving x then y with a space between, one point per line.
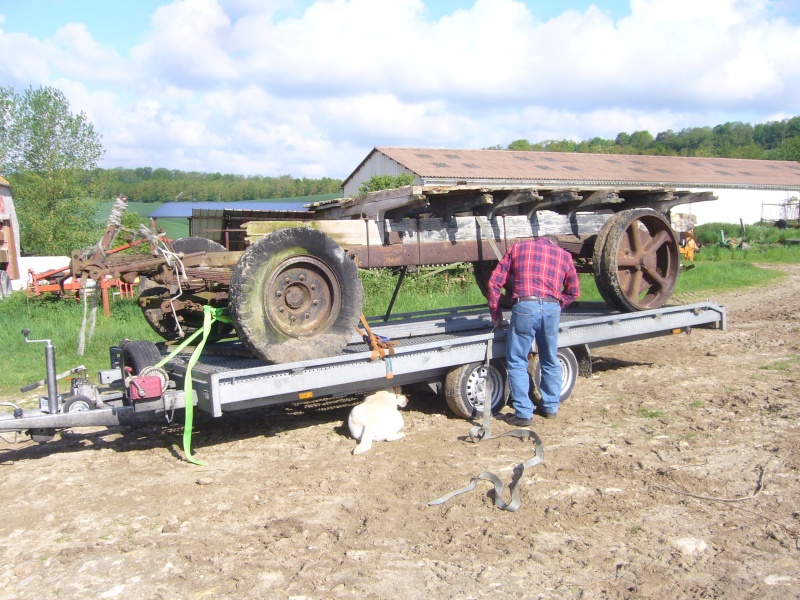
300 297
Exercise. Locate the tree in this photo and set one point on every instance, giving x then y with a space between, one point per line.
47 156
385 182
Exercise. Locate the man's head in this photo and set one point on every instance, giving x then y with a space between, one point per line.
551 238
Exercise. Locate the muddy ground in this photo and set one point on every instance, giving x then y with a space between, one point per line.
671 473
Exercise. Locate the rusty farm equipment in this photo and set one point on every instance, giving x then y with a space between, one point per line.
294 293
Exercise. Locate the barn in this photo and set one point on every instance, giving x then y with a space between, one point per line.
743 187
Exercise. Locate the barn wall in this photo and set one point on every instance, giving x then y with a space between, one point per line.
733 205
377 164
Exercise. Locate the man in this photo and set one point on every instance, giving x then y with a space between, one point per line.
544 281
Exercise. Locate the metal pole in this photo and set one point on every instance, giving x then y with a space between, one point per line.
52 386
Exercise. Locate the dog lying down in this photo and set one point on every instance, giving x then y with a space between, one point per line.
377 419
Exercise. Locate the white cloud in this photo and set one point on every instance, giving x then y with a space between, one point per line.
235 85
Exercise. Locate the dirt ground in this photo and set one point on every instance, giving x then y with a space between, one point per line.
671 473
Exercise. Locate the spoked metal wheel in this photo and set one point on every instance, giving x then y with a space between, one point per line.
295 295
637 260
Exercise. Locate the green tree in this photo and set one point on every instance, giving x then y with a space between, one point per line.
47 155
385 182
790 149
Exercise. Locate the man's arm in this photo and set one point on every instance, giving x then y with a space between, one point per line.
495 286
572 285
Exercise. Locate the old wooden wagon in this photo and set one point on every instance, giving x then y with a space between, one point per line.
294 292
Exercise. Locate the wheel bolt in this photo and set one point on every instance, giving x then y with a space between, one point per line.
308 316
302 277
315 302
279 294
280 309
313 287
287 280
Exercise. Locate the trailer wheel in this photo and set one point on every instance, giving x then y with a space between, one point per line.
483 272
77 403
461 392
295 295
640 261
152 294
569 372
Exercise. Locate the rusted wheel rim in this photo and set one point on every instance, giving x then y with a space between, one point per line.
645 259
302 296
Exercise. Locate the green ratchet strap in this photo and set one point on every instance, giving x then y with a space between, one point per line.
483 432
210 315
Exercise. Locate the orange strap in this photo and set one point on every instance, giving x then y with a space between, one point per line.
377 345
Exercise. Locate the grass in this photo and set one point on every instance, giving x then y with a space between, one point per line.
787 364
48 317
651 414
728 275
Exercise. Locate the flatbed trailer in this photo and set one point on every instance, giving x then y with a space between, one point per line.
451 351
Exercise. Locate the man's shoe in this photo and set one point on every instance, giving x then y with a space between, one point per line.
540 412
518 422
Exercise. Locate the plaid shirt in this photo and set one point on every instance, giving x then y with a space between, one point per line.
539 268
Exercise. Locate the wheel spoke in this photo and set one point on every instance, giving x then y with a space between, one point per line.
633 288
656 277
635 238
658 240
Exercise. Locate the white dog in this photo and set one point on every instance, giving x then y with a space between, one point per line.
377 419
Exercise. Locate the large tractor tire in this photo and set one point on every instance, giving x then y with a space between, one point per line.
295 295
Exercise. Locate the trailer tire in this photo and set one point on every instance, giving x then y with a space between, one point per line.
78 403
569 372
460 392
295 295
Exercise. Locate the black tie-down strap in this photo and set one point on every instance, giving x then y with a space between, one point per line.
483 432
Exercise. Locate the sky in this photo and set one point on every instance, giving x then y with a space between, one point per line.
308 88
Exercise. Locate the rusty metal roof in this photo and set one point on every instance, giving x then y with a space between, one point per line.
435 166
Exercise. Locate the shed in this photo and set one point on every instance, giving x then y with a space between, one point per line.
447 167
222 221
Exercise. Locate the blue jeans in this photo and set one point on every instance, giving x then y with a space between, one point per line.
533 321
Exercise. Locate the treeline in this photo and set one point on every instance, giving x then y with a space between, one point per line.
774 140
146 184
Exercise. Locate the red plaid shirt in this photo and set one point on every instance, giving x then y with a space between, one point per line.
539 268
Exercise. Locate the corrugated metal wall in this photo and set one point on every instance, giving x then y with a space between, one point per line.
378 164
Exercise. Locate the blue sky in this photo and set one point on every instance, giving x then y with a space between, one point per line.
308 88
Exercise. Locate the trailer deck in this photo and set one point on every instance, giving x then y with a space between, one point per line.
427 346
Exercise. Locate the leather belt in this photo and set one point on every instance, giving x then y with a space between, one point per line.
536 299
